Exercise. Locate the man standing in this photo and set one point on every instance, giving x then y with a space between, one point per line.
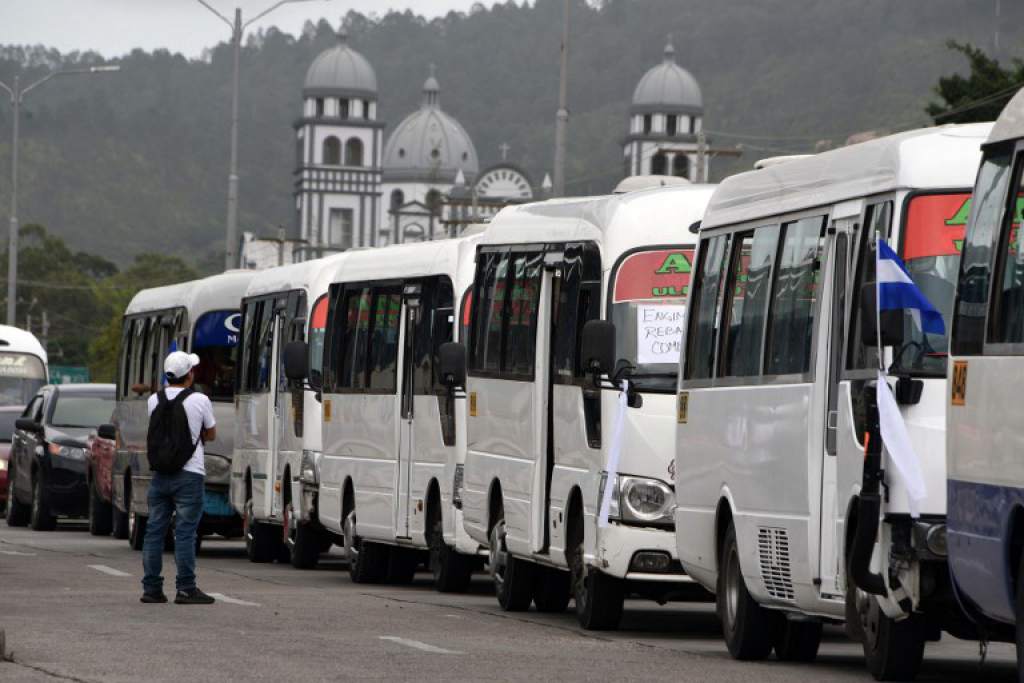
181 420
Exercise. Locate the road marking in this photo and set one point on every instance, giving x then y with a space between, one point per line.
234 601
417 645
108 570
16 552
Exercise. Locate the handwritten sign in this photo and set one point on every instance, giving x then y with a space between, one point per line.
659 332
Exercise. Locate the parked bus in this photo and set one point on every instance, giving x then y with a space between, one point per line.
200 317
278 420
563 289
23 371
778 508
984 444
393 440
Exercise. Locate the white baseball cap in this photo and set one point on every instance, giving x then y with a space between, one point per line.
178 363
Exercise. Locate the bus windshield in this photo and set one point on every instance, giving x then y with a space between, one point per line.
21 375
933 236
648 308
216 344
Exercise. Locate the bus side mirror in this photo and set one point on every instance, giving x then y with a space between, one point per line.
107 431
597 347
296 361
451 365
892 321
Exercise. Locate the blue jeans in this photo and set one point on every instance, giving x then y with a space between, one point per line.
180 493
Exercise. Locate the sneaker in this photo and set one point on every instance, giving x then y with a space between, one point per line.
193 596
153 597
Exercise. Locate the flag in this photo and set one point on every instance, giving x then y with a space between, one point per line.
899 446
896 291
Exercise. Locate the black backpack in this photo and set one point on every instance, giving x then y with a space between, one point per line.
169 442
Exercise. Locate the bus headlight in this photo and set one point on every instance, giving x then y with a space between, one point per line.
646 500
308 474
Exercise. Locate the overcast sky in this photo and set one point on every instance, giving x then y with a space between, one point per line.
115 27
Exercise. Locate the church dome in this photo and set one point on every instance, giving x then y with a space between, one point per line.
340 70
429 145
668 87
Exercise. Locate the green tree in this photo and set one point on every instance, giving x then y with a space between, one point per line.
981 95
115 292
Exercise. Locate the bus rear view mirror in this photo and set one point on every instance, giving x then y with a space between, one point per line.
892 321
451 364
107 431
296 361
597 347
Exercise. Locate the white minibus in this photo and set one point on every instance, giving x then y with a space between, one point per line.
984 440
571 297
277 418
393 434
786 505
201 317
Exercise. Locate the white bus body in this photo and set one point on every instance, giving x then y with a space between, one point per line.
201 317
23 370
392 433
540 427
984 438
771 424
277 419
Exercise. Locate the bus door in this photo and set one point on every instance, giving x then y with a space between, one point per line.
411 311
276 398
837 274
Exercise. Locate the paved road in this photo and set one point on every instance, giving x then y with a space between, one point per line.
69 606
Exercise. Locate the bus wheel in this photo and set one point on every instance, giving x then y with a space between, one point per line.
893 650
402 565
599 598
452 571
551 590
367 562
796 641
303 541
259 538
745 624
513 578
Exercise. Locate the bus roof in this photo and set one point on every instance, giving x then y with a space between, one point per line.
660 216
17 340
401 260
216 292
292 276
1010 124
945 157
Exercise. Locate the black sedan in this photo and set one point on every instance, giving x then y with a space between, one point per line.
47 469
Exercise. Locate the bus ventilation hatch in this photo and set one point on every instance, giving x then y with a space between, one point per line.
773 552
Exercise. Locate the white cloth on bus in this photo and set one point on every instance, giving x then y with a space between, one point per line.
200 417
614 452
899 446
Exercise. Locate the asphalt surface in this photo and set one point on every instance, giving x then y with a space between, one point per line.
70 610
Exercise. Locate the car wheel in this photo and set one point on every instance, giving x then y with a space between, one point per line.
745 623
41 518
136 526
119 520
100 514
367 562
513 578
17 512
452 570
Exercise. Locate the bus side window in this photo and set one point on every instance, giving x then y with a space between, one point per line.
700 347
351 336
382 368
877 223
520 349
578 301
141 353
125 361
747 306
488 312
1006 321
794 298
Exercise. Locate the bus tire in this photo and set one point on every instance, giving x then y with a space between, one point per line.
796 641
260 539
41 518
303 541
893 650
452 570
100 515
513 578
402 565
551 589
599 598
367 562
745 623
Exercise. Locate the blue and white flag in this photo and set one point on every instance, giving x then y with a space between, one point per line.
896 291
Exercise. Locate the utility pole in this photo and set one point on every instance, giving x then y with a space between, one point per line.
562 118
17 94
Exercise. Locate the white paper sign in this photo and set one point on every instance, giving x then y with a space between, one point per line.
659 332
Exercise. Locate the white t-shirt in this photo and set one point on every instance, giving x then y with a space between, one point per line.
200 416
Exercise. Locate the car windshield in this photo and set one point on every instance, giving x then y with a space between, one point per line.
648 308
933 235
21 375
216 344
81 409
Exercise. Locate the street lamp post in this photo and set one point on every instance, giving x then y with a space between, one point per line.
237 31
17 94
